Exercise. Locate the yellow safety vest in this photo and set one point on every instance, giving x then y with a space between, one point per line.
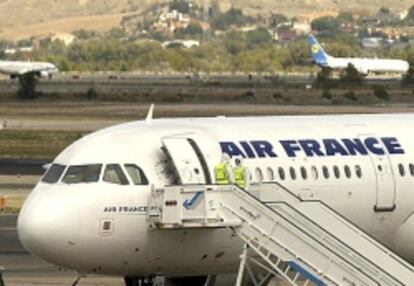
239 173
220 172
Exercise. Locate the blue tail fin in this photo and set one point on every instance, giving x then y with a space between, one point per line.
318 54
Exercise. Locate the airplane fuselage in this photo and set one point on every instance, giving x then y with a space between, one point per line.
366 66
360 165
19 68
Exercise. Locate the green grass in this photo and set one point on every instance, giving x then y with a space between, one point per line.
35 144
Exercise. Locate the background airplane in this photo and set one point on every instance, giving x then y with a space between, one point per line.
17 69
363 66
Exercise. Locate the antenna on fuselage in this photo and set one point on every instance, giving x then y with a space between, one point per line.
150 115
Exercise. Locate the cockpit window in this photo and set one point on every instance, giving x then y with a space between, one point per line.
136 174
82 174
113 174
53 174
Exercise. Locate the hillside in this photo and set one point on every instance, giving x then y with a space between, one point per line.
24 18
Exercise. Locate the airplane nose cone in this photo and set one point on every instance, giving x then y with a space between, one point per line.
48 227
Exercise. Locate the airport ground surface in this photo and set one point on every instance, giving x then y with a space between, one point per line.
282 89
37 131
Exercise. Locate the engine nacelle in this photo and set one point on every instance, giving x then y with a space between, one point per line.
363 71
403 241
43 74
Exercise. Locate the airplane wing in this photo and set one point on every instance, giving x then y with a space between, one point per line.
25 71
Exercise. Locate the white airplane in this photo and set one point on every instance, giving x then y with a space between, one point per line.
88 212
363 66
17 69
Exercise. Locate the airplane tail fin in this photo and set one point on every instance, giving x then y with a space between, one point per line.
319 56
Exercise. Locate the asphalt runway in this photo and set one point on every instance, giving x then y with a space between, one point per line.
21 167
112 83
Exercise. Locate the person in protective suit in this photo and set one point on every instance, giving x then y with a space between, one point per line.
241 174
223 172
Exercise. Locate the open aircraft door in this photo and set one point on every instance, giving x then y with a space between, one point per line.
189 162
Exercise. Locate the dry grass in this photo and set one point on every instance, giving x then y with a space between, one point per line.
42 130
34 144
100 23
25 18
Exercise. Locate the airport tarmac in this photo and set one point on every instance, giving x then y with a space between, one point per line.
128 84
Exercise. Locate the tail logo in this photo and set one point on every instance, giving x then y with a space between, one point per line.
315 49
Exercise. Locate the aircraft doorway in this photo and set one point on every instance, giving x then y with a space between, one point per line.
385 199
385 180
188 160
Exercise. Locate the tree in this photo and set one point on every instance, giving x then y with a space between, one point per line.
117 33
27 89
235 42
408 78
258 37
323 76
351 75
181 6
276 19
345 17
233 17
192 30
384 10
326 23
410 17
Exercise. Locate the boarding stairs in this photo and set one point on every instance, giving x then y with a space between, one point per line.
304 242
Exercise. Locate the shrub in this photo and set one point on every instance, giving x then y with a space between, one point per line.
327 94
351 96
381 92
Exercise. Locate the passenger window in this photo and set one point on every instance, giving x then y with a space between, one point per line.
53 174
336 172
82 174
113 174
136 174
411 167
303 173
292 173
325 172
347 170
259 175
401 170
314 172
358 171
282 174
270 175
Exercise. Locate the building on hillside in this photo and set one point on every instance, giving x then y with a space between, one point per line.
183 43
284 35
10 51
28 49
170 21
372 42
66 38
301 28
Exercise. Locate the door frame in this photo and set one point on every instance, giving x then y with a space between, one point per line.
385 160
197 152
